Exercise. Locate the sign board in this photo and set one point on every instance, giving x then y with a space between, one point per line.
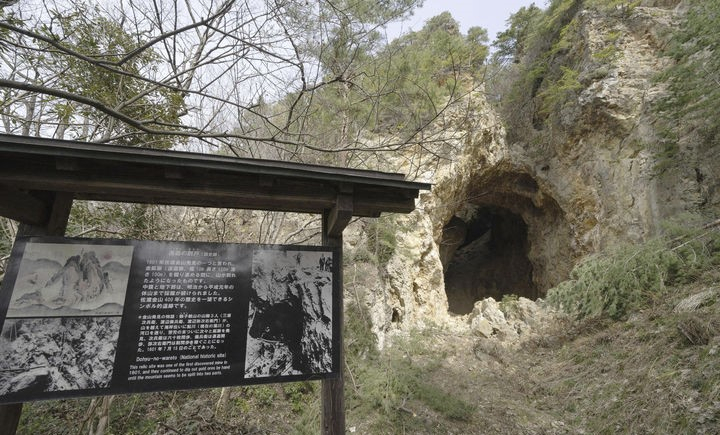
88 317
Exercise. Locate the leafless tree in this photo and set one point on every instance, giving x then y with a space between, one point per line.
239 75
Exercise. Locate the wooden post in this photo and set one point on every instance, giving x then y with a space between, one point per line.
333 398
56 224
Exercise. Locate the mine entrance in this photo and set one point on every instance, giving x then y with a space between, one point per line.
486 255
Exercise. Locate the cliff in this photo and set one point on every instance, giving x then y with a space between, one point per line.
564 163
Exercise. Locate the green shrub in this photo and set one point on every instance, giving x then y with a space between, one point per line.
607 54
559 92
382 239
360 341
509 303
299 394
447 404
630 277
694 95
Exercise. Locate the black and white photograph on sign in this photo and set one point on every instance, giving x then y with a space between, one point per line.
59 279
290 314
57 354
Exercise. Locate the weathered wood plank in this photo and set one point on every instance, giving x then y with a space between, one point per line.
332 392
39 148
22 206
10 417
55 225
59 214
112 173
312 197
287 195
340 215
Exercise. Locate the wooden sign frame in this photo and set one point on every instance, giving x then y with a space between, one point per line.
40 178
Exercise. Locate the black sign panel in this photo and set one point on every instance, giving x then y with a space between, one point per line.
87 317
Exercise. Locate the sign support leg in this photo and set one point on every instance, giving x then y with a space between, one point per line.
60 205
333 398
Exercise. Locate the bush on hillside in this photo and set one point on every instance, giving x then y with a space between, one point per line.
625 279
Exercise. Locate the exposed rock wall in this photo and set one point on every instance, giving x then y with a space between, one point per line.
584 181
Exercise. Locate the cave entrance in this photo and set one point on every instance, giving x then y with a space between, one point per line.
486 255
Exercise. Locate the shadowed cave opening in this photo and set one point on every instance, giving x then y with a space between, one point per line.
486 255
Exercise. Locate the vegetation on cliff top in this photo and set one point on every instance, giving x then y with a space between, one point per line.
693 102
542 53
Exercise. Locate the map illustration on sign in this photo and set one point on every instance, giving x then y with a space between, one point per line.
290 314
71 280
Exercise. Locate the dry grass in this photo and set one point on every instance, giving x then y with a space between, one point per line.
657 372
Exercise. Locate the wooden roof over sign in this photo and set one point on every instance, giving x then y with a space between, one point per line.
32 168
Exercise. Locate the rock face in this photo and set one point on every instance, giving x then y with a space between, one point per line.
582 182
415 277
512 321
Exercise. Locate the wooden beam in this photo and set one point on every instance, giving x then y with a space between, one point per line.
10 417
340 215
55 225
332 394
291 195
373 206
59 214
214 191
173 174
33 151
22 206
265 181
67 164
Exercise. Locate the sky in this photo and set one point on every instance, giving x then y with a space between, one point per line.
490 14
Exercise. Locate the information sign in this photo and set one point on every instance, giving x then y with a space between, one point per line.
88 317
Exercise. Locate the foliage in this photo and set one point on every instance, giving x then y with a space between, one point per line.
386 386
429 66
653 370
394 89
380 385
509 303
693 102
112 220
543 45
96 42
511 44
92 34
540 57
298 393
8 230
360 341
306 81
541 49
303 81
382 239
543 63
630 277
556 94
